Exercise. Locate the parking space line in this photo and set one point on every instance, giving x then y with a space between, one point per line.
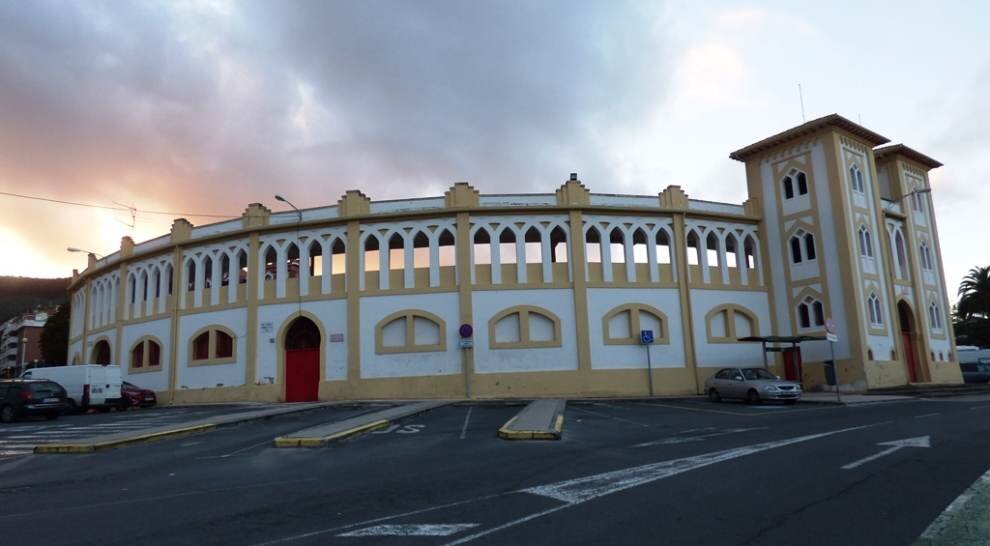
467 418
652 404
599 414
980 407
926 415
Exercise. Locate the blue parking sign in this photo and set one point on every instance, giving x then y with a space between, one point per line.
645 337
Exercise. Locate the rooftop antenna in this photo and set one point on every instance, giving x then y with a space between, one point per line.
801 98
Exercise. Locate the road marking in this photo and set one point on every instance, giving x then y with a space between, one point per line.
926 415
232 453
599 483
697 438
980 407
895 445
607 416
466 419
411 530
960 523
587 488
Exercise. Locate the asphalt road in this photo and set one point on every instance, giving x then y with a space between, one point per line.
687 472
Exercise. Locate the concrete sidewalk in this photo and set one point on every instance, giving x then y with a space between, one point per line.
322 435
850 399
539 420
108 441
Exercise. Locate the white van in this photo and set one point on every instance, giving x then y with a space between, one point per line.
86 385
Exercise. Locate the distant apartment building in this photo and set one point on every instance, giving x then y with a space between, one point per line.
20 342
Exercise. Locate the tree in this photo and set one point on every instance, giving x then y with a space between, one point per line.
55 336
974 294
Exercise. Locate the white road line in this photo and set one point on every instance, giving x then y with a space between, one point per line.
607 416
411 530
466 419
588 488
926 415
548 490
697 438
980 407
896 445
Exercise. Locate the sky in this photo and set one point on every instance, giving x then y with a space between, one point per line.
201 107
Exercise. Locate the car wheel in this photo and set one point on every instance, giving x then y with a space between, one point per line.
51 416
104 409
123 405
714 396
752 397
72 405
790 402
7 414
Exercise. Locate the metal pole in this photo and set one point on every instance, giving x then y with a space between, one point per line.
766 364
835 371
649 368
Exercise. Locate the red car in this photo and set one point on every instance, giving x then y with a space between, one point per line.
134 396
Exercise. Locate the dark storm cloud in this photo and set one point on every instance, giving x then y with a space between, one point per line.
197 107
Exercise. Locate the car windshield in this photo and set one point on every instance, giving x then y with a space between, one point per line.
129 385
757 373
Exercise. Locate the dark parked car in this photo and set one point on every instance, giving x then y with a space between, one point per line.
133 396
23 397
976 372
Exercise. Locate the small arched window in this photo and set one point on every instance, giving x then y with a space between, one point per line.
410 331
865 242
935 316
802 245
728 323
926 257
788 186
212 345
146 353
856 179
802 183
524 327
623 324
874 310
899 250
811 313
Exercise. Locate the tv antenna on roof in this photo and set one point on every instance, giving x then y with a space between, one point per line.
801 98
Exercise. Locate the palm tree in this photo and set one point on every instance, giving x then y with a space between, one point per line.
974 293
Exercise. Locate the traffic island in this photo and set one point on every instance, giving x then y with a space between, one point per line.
539 420
110 441
322 435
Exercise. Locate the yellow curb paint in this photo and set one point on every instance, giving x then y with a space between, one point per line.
507 434
320 441
89 448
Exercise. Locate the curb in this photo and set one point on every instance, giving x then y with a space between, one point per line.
90 447
555 433
322 441
141 438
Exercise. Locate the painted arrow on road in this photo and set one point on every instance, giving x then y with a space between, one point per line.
895 445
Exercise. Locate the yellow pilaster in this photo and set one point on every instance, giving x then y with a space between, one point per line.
684 290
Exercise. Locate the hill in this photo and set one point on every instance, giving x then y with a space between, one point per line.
20 294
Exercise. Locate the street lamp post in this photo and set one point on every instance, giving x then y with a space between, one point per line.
74 249
287 202
906 195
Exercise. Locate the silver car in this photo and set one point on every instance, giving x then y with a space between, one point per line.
752 385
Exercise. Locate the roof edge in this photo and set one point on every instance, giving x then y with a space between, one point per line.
831 120
909 153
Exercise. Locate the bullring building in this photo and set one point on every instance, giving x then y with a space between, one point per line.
528 295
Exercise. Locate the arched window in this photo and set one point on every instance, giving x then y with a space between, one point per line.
713 247
727 323
410 331
788 186
617 246
396 252
146 353
811 313
865 242
640 253
533 246
372 254
421 251
663 247
592 246
874 310
802 247
271 263
482 247
212 345
693 248
507 247
749 249
899 250
447 249
935 316
524 327
558 246
207 272
101 353
802 183
623 324
856 179
926 257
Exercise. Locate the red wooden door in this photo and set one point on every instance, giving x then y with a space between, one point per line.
792 364
909 357
302 375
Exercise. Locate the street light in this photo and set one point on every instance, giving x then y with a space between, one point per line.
74 249
906 195
287 202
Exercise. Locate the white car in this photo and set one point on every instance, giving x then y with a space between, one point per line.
86 385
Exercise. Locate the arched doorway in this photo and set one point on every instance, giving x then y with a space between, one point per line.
907 323
302 361
101 352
